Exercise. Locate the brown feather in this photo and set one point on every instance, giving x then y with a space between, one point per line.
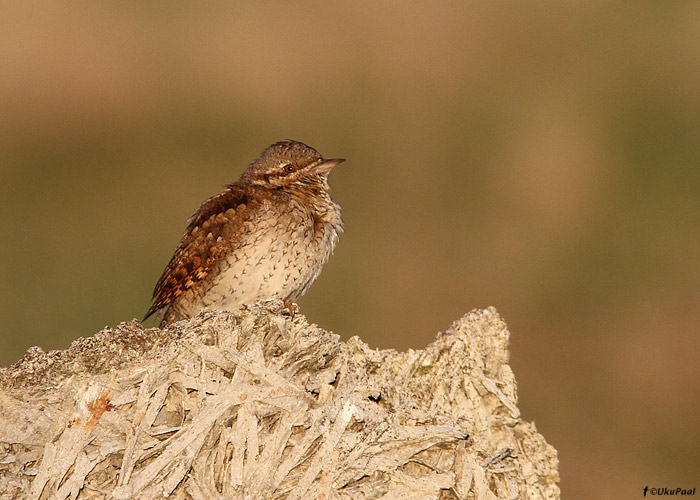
216 219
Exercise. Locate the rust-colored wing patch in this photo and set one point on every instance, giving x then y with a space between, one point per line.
210 234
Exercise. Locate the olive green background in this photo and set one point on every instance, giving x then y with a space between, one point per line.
539 157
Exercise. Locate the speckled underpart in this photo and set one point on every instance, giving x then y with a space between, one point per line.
268 235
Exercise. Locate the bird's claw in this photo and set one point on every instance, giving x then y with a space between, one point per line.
290 307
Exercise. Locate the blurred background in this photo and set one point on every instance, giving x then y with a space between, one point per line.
540 157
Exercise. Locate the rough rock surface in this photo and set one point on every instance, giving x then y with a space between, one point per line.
258 405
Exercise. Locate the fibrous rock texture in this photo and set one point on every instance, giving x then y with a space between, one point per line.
258 404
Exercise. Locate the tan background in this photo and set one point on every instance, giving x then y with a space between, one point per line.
540 157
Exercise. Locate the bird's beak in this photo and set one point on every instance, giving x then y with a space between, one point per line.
327 165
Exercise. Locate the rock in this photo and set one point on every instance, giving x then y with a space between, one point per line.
256 404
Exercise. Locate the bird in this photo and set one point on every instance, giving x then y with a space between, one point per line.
267 235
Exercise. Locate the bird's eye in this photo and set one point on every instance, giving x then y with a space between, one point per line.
289 168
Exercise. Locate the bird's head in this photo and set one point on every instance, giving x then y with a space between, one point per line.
288 164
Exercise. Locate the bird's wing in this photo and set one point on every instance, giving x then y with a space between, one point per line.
211 233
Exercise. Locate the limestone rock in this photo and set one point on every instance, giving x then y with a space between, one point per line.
259 405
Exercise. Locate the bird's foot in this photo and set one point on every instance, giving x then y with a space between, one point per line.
290 307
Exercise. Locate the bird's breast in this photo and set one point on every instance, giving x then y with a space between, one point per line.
279 256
